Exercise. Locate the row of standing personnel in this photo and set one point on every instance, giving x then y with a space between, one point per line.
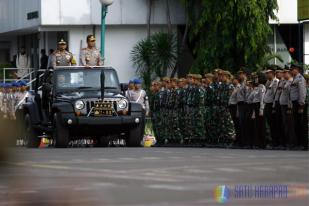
279 104
192 109
218 108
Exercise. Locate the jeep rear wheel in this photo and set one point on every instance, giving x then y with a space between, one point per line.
60 133
103 141
135 135
32 139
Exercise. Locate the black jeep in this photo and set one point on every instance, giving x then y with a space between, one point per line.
80 102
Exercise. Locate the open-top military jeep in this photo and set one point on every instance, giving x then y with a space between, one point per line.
82 102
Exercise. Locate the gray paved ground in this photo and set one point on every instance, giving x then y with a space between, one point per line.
148 176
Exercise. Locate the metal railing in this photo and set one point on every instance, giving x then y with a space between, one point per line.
28 76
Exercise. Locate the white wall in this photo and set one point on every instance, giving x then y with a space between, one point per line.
287 13
306 43
13 14
88 12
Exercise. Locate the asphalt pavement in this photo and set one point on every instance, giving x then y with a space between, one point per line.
151 176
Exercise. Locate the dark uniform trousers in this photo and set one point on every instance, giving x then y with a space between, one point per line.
279 127
259 129
288 129
233 112
250 125
243 122
301 125
270 120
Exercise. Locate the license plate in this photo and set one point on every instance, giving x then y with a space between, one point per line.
103 109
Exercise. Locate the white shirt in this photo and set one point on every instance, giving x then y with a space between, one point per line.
23 65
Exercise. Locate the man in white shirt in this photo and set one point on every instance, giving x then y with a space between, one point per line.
22 63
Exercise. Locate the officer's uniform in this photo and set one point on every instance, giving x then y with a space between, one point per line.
271 87
277 115
259 126
298 97
90 56
62 58
242 106
286 113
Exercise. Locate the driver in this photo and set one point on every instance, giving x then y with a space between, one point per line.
61 80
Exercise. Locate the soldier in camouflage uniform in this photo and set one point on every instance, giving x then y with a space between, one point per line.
180 109
172 115
208 104
199 110
155 107
189 109
62 57
225 120
164 113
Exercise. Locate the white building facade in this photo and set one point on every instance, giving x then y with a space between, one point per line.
39 24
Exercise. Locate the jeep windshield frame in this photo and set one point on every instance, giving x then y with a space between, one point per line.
75 79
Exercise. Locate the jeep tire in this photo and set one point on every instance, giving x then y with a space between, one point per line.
32 139
136 134
60 133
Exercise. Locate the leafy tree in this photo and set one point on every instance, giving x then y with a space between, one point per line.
155 56
229 34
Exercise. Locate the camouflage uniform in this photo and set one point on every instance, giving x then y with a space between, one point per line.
199 113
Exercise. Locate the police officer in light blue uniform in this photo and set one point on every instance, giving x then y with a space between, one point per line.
298 96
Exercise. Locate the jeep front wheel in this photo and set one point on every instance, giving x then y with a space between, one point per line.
60 133
32 139
135 135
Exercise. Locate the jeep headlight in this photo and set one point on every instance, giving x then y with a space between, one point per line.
79 105
122 104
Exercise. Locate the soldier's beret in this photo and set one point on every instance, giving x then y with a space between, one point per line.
227 73
131 82
165 79
91 38
181 80
269 70
62 42
190 75
241 72
198 76
217 70
209 75
137 81
295 66
15 84
23 83
174 79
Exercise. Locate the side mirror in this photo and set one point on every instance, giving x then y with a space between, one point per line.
124 87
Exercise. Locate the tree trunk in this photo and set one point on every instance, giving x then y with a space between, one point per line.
168 17
182 47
